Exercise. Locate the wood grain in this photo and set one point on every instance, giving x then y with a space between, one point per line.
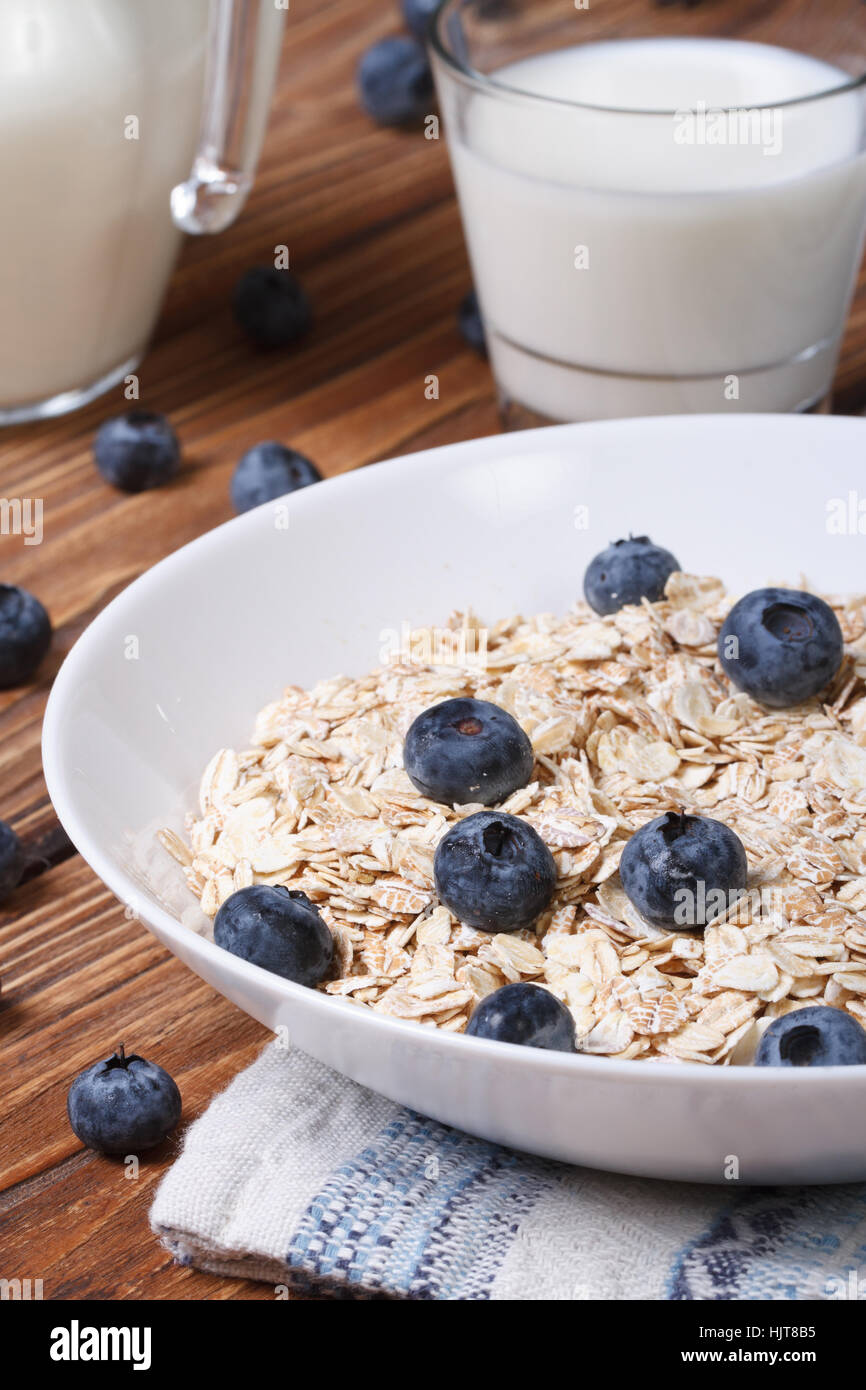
373 230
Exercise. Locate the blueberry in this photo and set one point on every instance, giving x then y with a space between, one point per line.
123 1105
494 872
25 635
417 14
395 83
817 1036
467 750
627 572
780 645
11 860
278 929
471 324
271 305
526 1014
267 471
137 451
680 870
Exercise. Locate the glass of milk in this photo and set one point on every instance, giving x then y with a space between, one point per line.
659 220
123 123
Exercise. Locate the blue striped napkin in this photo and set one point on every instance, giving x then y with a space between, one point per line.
303 1179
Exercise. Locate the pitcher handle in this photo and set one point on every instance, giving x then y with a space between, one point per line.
243 50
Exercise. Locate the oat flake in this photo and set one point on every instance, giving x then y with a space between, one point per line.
629 716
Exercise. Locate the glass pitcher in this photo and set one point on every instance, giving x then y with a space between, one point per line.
123 124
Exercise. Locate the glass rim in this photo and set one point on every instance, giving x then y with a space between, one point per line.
483 82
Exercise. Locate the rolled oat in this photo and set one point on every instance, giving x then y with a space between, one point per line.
629 716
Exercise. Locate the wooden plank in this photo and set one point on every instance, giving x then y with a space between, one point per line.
78 978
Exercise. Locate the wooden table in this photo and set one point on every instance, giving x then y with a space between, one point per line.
373 230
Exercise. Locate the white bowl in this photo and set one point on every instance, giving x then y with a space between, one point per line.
225 623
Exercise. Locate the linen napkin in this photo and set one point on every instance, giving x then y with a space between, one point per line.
303 1179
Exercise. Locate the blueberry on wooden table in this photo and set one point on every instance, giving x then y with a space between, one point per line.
123 1105
277 928
418 13
781 646
12 860
465 750
394 80
680 870
471 324
25 635
272 306
494 872
267 471
817 1036
526 1014
627 572
137 451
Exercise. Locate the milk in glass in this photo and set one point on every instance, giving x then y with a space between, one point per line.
678 255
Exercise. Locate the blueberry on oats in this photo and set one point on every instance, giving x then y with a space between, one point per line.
526 1014
817 1036
781 646
626 572
680 870
277 928
494 872
465 750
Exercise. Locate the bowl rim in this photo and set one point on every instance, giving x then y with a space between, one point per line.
61 788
